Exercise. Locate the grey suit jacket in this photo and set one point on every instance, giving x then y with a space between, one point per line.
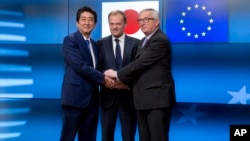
151 72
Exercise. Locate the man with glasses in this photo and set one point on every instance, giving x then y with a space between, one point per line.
154 90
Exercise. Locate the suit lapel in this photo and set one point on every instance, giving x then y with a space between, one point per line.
95 50
127 50
84 48
140 49
82 44
109 48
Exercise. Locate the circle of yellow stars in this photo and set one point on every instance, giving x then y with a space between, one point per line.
188 32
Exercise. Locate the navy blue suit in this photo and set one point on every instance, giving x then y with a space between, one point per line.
80 89
113 101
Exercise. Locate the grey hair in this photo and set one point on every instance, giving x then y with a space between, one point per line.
155 13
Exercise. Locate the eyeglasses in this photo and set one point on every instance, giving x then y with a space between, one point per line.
145 20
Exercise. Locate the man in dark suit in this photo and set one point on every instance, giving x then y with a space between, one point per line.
154 91
80 88
119 99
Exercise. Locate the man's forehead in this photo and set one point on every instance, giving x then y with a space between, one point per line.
87 15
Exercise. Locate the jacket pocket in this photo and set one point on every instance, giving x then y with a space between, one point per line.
152 85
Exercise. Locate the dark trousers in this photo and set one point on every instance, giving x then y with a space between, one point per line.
128 123
154 124
81 121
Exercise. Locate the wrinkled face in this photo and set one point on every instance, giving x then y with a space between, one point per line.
147 22
116 25
86 23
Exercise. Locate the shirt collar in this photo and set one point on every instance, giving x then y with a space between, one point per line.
85 38
121 38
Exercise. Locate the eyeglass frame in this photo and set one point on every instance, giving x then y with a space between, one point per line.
145 20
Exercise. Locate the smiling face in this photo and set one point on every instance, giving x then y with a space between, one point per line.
86 23
148 22
116 24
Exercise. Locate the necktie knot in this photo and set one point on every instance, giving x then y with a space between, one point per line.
117 41
87 42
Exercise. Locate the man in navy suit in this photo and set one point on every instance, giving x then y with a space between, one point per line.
154 90
119 99
80 88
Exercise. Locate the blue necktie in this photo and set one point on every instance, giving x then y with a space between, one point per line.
118 55
87 42
88 45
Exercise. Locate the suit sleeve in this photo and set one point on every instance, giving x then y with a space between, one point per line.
77 61
156 49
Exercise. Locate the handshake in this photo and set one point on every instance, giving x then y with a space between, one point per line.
111 81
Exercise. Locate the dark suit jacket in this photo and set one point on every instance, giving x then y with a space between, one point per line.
151 72
81 80
107 61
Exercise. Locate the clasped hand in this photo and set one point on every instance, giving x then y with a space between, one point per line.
112 82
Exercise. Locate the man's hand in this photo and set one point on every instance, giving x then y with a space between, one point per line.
112 82
111 73
120 85
108 81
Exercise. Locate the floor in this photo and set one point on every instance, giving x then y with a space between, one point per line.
40 120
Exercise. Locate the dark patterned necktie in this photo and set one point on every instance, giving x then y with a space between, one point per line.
118 56
144 42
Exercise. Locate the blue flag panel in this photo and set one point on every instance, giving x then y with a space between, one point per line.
212 73
33 22
197 20
239 21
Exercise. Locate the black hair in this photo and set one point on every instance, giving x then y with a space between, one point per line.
85 9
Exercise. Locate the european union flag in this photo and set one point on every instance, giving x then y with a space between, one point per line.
197 20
